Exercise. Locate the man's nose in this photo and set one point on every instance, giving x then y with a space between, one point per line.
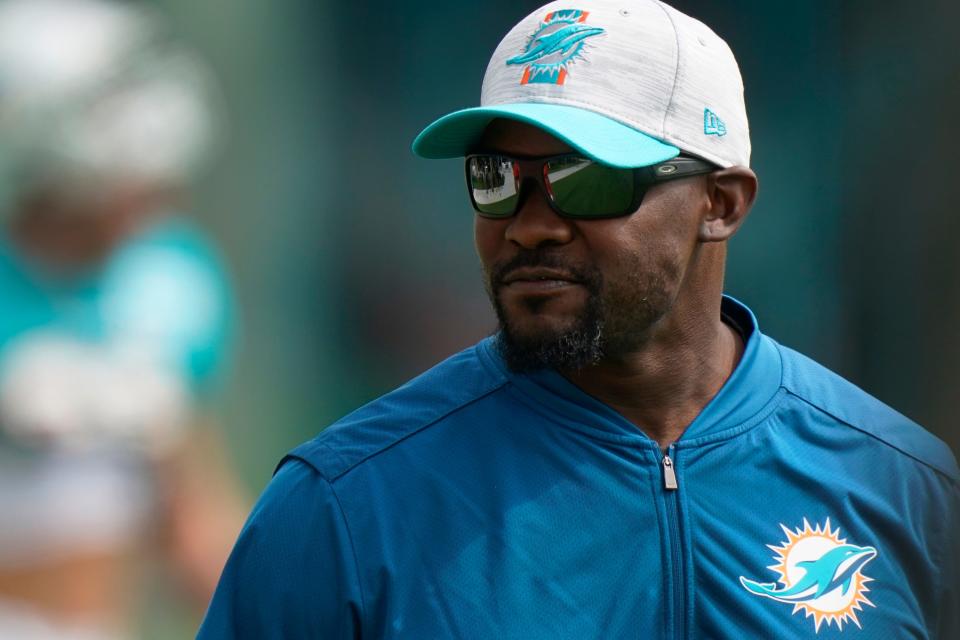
535 224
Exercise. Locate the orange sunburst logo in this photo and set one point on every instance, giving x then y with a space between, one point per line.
819 573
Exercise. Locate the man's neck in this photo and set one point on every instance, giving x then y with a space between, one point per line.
663 386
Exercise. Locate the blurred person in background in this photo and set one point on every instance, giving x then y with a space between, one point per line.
115 320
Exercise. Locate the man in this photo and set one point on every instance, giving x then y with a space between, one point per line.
628 457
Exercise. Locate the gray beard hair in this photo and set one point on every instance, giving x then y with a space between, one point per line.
574 348
610 323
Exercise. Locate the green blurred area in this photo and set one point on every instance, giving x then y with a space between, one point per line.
353 258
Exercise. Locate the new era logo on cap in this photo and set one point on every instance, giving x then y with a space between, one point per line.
712 124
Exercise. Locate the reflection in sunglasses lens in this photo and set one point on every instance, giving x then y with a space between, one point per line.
493 180
578 187
583 188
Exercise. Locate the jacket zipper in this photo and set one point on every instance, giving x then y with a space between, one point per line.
669 474
672 500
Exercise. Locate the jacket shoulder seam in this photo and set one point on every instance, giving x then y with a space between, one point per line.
353 547
443 416
344 467
943 472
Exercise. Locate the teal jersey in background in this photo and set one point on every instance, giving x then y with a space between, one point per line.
164 290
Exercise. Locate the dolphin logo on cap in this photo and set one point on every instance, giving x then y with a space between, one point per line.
558 41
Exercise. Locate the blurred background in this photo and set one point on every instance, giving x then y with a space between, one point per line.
338 265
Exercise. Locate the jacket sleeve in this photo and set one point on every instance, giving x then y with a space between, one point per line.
292 572
949 607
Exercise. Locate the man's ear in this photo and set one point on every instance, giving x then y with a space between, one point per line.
730 194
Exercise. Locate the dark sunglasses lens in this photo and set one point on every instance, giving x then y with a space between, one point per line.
493 185
584 189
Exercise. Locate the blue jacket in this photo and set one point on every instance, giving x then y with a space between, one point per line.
477 503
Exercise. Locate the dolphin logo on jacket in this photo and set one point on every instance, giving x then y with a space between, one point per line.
834 570
820 573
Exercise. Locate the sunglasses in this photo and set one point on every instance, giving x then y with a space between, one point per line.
575 186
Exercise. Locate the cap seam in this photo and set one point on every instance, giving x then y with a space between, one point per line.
676 73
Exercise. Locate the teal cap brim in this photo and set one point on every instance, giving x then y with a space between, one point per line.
596 136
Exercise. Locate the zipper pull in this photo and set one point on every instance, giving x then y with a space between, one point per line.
669 475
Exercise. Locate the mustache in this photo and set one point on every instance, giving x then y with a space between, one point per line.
589 276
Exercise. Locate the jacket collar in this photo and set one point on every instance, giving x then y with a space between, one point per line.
743 396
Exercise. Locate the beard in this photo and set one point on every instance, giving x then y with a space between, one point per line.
612 320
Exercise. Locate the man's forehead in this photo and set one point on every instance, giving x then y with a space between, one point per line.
520 138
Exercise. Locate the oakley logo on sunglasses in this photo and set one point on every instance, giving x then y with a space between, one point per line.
557 42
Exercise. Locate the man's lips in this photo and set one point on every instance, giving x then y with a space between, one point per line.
538 274
538 280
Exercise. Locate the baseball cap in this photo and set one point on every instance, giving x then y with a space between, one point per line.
628 83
